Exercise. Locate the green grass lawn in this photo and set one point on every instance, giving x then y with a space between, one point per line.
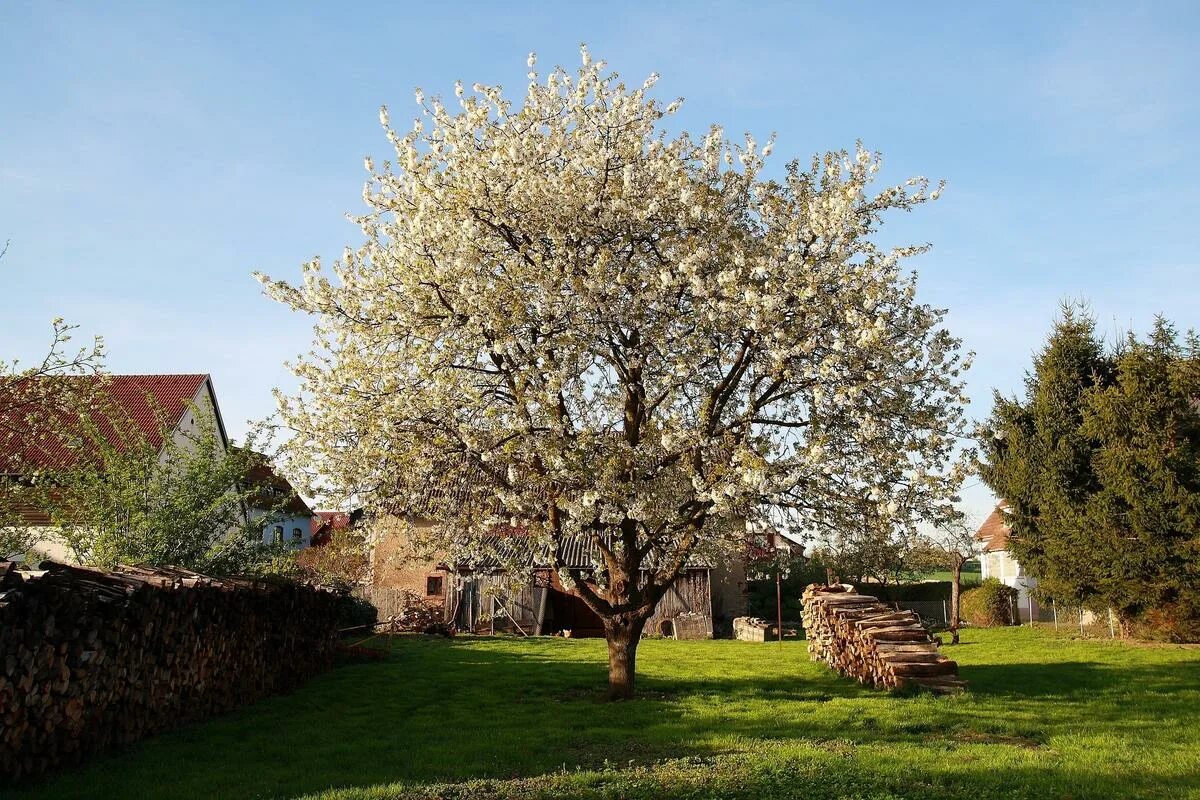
971 574
1047 717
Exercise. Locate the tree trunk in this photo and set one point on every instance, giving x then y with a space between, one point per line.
623 634
1125 620
955 582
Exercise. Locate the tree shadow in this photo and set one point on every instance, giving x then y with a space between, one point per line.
439 710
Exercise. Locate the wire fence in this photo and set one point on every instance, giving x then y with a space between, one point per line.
1027 611
1084 622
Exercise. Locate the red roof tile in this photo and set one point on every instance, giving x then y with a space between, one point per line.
325 523
150 403
994 531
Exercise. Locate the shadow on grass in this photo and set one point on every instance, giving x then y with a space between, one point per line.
455 710
1073 679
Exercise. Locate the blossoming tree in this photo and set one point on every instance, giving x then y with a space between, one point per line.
602 330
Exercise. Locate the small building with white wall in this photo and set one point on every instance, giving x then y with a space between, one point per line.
285 517
998 562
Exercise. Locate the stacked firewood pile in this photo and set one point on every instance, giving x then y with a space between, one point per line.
414 614
865 639
91 660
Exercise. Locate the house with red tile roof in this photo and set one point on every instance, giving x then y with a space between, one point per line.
154 406
151 404
998 562
286 518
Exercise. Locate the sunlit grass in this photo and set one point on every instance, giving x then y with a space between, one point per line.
1047 716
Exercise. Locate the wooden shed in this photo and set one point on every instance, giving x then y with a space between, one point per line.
484 597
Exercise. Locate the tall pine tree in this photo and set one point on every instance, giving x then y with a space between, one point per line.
1040 462
1098 464
1145 516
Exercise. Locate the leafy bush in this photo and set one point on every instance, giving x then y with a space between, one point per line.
354 612
760 591
989 603
1171 622
923 590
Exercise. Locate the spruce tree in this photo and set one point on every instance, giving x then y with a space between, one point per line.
1040 462
1145 515
1099 464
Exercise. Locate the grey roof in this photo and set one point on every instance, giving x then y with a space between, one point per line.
499 550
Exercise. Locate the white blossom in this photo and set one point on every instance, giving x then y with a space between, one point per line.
558 303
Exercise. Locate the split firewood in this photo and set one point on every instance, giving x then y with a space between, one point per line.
863 638
91 660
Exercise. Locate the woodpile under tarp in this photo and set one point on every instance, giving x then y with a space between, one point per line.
865 639
91 660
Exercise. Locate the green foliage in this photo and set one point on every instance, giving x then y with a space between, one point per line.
1046 717
886 555
355 612
1100 466
924 590
798 573
1145 513
183 502
342 561
34 399
990 603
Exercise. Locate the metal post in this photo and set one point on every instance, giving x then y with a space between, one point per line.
1111 633
1054 607
945 612
1081 620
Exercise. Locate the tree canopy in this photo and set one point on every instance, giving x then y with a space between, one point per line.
1099 465
564 317
183 502
33 400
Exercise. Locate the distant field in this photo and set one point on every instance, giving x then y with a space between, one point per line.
1047 717
970 574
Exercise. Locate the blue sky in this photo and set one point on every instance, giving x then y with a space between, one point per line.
152 155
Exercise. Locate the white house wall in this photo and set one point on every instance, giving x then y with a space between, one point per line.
289 526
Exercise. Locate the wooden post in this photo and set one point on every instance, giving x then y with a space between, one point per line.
1111 633
541 614
1081 620
779 604
1054 608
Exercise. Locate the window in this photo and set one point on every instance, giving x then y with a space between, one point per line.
278 538
433 586
297 535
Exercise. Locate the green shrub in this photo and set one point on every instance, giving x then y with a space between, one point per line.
921 590
354 612
989 603
760 591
